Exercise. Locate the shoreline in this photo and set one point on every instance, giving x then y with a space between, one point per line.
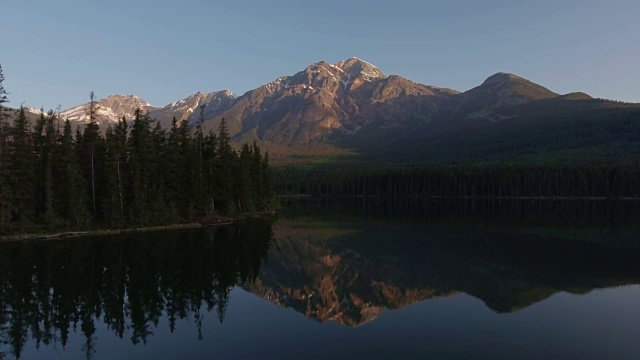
99 232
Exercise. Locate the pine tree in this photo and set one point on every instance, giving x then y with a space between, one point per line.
140 151
198 173
173 171
211 143
245 188
21 171
43 139
70 187
158 203
4 115
48 155
61 184
225 169
186 160
119 153
268 184
91 151
5 190
113 193
256 178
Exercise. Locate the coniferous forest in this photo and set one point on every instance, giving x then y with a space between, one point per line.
136 174
506 181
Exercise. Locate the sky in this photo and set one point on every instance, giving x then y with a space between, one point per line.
55 52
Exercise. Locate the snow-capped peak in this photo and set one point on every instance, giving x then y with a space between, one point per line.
359 68
200 98
111 109
131 100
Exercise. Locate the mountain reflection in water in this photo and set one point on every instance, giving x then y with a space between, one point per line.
343 261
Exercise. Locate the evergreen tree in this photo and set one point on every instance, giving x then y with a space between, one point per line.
268 184
211 143
256 177
3 100
91 151
5 190
140 148
44 143
245 188
69 186
225 169
21 171
158 164
119 155
198 171
173 179
113 193
48 156
186 187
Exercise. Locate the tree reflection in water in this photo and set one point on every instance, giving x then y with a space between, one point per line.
128 282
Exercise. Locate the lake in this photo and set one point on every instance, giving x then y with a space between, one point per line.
338 278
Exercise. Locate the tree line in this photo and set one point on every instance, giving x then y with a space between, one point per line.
604 218
615 181
135 174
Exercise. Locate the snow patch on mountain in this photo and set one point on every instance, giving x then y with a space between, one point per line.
33 110
110 109
360 68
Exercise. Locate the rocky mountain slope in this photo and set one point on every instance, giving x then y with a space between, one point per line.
326 100
189 108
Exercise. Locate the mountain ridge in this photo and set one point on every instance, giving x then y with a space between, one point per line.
351 73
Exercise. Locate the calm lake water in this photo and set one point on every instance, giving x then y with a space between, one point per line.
337 279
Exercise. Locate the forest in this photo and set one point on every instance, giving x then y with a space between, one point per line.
134 175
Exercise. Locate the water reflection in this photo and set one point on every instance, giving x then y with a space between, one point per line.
49 289
348 268
330 263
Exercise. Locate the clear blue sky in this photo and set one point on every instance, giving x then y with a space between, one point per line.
55 52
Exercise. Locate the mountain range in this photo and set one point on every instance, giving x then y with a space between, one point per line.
352 107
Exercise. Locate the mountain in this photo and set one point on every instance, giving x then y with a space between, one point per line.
331 111
352 110
189 108
110 110
326 100
498 91
114 107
